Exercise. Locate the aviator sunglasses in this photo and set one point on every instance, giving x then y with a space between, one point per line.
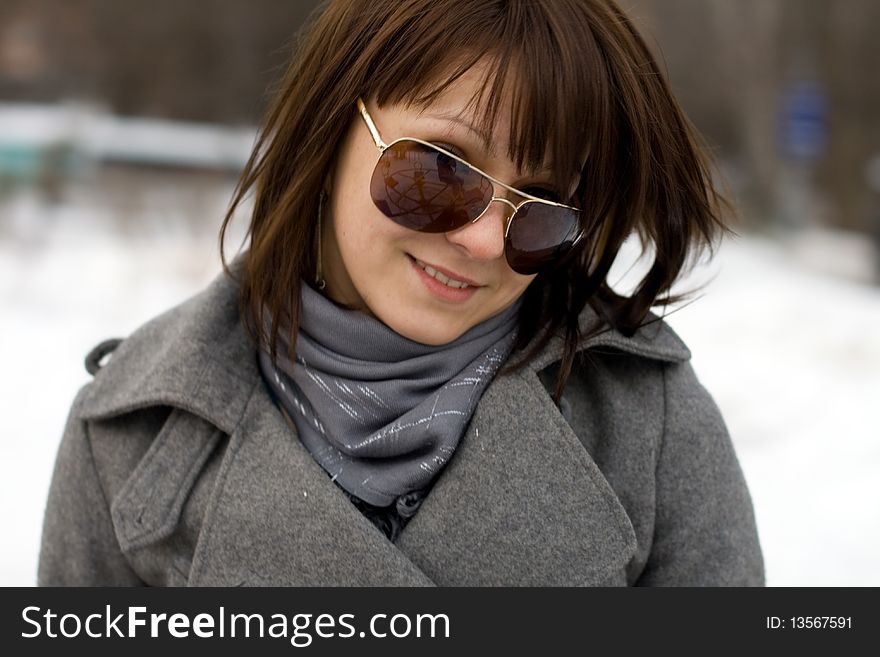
426 188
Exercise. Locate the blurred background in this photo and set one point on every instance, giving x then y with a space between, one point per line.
123 126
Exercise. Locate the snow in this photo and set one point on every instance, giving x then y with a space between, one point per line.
789 350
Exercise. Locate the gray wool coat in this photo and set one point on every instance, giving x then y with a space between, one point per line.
175 468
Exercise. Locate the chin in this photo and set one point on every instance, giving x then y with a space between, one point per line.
427 333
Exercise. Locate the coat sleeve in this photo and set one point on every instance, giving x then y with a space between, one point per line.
79 546
705 532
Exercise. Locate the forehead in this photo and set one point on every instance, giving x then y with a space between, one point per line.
463 102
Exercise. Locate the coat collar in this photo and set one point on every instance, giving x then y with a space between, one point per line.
178 358
541 513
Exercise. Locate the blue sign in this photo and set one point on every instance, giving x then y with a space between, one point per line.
804 121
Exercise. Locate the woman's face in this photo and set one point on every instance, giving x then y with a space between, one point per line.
373 264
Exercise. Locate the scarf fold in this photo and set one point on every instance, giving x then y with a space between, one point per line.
382 414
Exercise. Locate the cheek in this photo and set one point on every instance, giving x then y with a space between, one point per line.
350 186
354 214
370 246
362 231
516 285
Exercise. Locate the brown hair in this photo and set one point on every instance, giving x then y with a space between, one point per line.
584 83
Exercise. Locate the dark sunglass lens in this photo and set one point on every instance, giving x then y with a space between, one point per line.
425 190
539 233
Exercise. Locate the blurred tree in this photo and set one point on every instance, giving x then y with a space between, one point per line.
852 73
209 60
730 64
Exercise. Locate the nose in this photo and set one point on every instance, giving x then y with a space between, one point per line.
483 239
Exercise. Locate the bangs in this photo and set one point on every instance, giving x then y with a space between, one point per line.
539 55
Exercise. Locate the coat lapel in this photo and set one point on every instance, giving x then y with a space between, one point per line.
276 519
522 502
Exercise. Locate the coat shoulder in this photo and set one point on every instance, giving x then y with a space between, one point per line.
197 357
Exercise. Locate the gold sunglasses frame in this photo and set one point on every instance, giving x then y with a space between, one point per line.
382 146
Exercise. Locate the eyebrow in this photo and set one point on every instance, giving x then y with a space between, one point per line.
484 137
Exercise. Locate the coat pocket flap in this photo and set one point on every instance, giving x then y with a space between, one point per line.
148 507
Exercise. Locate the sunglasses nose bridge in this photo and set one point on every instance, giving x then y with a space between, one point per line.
489 205
507 219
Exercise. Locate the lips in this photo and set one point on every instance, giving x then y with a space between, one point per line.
448 278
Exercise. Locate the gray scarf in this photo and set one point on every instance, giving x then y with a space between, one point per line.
382 414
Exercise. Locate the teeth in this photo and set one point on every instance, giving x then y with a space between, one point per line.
450 282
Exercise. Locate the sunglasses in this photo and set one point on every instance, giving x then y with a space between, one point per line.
426 188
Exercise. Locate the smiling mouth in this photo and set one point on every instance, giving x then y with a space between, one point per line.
446 280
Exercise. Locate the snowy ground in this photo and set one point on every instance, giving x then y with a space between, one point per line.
790 352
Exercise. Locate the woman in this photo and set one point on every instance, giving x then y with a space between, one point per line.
417 372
